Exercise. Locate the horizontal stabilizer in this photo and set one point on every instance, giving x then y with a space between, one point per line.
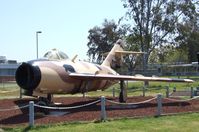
129 52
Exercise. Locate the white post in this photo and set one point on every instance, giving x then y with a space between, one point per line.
31 113
159 103
103 109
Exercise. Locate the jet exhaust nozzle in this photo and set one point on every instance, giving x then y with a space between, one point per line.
28 77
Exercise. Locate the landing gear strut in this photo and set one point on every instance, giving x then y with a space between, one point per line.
49 98
45 101
123 93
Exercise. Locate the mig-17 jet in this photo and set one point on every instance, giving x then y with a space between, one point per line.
55 73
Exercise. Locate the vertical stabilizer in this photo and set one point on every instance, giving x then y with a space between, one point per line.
118 46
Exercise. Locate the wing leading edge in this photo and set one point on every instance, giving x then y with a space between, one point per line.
84 76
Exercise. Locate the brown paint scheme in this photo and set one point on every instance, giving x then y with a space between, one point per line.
55 79
86 76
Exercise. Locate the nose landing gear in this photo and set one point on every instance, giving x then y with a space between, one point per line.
45 101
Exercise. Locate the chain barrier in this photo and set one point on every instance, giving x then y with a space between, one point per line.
177 100
15 108
136 103
67 108
95 102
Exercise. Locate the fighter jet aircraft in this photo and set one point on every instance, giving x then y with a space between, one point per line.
57 74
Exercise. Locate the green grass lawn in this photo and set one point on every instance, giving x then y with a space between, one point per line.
9 90
177 123
182 123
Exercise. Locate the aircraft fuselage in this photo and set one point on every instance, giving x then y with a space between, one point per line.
51 77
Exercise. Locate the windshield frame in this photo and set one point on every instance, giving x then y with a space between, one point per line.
55 55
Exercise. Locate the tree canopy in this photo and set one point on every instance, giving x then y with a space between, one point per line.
188 38
155 22
102 38
150 26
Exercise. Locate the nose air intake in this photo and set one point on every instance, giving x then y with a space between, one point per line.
28 76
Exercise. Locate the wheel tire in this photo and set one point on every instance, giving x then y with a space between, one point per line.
43 110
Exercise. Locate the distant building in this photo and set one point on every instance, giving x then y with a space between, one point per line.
7 69
2 59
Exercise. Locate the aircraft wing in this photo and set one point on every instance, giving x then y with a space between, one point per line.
85 76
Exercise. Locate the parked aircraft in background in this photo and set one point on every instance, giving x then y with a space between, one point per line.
57 74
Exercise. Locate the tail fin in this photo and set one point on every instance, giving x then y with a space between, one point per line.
111 57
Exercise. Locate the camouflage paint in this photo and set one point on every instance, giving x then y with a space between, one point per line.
56 75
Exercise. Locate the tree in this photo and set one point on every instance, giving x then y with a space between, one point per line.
188 38
154 22
101 39
132 61
169 55
193 46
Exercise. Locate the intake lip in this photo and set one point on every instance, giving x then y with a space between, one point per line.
27 76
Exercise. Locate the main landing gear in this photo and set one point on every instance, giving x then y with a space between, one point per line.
123 92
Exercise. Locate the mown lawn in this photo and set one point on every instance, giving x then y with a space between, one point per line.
182 123
177 123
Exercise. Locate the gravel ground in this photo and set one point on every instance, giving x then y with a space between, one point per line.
89 113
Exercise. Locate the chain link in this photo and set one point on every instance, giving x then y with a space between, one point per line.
136 103
15 108
177 100
67 108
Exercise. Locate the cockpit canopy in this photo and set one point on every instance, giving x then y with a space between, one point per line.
55 54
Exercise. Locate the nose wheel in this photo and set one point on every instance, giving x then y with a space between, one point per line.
45 101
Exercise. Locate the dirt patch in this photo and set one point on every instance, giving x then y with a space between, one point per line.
89 113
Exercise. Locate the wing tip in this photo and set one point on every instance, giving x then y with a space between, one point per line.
189 80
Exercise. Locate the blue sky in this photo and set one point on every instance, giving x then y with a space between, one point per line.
64 25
